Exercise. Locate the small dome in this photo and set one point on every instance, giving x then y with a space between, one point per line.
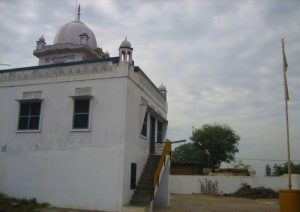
42 39
162 87
125 44
70 33
106 54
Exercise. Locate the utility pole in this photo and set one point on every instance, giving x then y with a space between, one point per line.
287 98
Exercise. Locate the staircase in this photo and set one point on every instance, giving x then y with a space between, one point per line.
143 194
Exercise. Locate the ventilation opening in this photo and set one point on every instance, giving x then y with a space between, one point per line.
133 176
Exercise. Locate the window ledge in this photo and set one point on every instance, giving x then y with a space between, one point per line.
80 130
28 131
143 137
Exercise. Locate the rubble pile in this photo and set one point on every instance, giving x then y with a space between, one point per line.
254 193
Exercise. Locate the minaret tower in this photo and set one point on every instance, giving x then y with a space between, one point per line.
162 88
125 51
40 43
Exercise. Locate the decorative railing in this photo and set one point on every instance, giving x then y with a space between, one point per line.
166 151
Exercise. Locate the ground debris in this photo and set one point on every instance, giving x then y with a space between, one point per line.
254 193
9 204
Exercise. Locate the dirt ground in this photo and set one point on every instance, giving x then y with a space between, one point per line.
196 202
178 203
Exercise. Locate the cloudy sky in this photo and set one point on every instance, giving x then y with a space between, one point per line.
220 60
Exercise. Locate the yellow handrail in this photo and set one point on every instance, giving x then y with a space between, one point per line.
166 151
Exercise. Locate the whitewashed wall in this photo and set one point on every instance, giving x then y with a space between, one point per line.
56 57
67 168
136 148
58 165
183 184
162 195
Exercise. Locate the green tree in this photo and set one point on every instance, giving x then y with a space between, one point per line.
241 165
217 142
268 170
188 152
279 170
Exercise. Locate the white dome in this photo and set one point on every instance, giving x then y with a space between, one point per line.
162 87
70 32
42 39
125 44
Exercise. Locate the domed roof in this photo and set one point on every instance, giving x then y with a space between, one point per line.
42 39
162 87
70 33
125 44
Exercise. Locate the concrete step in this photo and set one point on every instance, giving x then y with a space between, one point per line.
136 208
142 198
145 187
137 203
141 201
143 194
146 179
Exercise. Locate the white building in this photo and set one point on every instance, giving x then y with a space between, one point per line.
76 130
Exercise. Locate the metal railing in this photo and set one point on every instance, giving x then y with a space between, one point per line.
166 151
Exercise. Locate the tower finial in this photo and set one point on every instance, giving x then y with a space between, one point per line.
78 13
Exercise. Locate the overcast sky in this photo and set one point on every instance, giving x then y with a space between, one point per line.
221 61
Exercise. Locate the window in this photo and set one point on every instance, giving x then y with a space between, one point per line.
29 115
133 176
81 113
159 131
144 129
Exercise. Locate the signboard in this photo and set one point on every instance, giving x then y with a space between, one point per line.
60 59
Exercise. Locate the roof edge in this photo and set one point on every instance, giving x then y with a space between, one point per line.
138 69
112 59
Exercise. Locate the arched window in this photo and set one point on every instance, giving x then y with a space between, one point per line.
128 56
123 56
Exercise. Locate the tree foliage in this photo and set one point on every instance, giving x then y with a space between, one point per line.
279 170
188 152
241 165
217 142
268 170
211 145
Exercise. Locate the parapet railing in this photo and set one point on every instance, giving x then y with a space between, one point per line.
166 151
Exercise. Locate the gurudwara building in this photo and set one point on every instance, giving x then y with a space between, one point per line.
83 129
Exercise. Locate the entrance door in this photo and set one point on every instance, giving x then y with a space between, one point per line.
152 135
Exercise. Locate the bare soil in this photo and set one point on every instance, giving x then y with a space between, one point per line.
178 203
206 203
